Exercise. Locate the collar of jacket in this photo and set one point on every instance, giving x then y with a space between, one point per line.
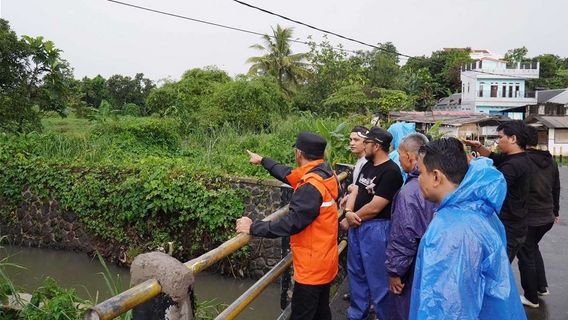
296 175
414 173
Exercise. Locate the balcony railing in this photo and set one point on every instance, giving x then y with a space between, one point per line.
478 65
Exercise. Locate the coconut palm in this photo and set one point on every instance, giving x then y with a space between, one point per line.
289 69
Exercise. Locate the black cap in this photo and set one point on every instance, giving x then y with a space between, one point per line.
311 143
378 135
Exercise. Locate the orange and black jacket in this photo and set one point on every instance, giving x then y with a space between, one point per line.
311 221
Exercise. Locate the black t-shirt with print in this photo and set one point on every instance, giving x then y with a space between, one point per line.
383 180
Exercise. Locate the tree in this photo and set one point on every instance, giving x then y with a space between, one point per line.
124 89
381 66
419 85
553 73
186 98
288 68
363 100
94 90
33 78
444 67
549 65
333 69
350 99
245 104
162 99
516 55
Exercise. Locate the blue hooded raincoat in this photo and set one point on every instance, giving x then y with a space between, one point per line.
399 130
462 270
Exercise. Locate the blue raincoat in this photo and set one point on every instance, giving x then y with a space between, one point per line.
462 270
399 130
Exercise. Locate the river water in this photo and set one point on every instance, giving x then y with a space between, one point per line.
81 272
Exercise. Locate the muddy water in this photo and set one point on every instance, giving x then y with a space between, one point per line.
81 272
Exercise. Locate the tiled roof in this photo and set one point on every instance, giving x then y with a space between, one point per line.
450 118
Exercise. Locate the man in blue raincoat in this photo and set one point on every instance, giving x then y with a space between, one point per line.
411 214
462 269
399 130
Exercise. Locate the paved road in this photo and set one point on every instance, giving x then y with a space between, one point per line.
554 248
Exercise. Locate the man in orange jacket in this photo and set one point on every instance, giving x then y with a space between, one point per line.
311 223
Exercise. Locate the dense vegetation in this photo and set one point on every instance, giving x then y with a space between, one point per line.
141 163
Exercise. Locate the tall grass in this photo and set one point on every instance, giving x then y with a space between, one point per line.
7 287
128 140
113 284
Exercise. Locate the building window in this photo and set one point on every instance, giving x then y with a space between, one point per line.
481 89
494 89
510 91
517 91
480 64
468 87
504 92
561 135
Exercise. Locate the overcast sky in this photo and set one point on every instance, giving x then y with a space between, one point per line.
100 37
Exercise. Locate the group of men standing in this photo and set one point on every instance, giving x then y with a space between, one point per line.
431 234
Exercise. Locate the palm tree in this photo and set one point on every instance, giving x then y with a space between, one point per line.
289 69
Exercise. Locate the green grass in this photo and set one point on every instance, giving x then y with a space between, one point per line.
70 126
130 140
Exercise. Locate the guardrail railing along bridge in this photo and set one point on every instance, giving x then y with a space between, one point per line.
151 288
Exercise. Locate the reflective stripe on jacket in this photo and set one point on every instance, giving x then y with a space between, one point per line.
314 249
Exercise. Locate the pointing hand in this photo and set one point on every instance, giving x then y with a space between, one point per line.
254 158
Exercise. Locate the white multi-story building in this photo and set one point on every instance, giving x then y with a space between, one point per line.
491 85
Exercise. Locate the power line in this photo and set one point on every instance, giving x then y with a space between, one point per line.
321 30
216 24
271 36
349 38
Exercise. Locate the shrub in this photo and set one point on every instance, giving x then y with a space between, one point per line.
51 302
161 99
247 105
131 109
350 99
162 133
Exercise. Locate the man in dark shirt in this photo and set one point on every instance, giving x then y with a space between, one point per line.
514 164
368 219
543 205
311 223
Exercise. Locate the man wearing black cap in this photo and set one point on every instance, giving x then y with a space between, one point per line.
311 224
368 219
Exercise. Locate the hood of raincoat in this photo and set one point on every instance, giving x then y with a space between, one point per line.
481 190
462 269
400 130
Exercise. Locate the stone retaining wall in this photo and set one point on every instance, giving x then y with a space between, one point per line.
45 224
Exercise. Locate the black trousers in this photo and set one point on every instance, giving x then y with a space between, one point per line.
310 302
531 265
514 244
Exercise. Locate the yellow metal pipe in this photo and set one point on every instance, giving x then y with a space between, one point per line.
209 258
256 289
125 301
145 291
342 245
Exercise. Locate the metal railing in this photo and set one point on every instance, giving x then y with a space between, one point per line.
143 292
235 308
